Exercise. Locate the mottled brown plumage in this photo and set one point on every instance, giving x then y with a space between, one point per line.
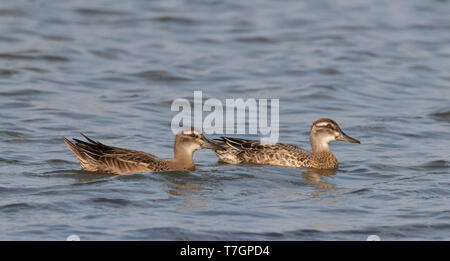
323 131
95 156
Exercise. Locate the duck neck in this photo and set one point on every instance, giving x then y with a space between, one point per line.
319 146
182 158
321 156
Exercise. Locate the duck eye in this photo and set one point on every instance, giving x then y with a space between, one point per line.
329 126
193 135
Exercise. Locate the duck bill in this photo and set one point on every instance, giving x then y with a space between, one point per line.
345 137
209 144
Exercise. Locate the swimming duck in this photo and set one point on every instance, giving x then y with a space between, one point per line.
95 156
323 131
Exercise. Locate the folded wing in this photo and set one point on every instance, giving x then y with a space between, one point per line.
251 151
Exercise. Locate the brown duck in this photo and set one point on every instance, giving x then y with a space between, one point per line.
323 132
95 156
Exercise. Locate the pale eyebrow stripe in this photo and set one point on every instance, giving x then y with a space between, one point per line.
322 124
190 132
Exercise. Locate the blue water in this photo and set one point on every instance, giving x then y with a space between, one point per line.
111 69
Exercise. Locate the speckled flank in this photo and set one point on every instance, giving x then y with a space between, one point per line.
323 131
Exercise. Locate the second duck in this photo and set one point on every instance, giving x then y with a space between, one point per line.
323 132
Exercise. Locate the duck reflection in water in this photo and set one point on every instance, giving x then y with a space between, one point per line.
184 187
315 177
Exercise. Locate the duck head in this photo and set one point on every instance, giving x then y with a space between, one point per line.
192 140
324 131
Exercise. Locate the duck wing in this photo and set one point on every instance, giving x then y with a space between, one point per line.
252 151
241 145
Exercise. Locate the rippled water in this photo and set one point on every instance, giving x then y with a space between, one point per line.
111 69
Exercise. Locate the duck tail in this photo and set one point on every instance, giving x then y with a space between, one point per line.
83 158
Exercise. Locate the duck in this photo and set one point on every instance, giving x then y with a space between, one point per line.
323 131
98 157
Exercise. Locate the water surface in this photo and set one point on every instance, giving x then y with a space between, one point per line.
112 69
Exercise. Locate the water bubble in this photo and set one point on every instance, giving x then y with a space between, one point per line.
373 238
73 238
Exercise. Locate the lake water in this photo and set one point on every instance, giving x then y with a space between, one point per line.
111 69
